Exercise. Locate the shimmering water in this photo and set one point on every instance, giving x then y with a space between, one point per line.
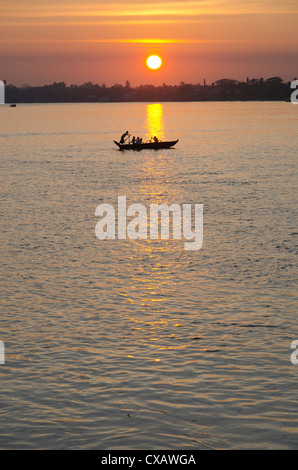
140 344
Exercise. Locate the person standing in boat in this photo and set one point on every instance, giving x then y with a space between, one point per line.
122 140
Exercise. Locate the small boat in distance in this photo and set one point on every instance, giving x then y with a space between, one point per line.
147 145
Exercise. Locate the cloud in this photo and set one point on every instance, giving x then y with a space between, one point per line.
117 9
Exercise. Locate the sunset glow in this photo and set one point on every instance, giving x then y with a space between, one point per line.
75 42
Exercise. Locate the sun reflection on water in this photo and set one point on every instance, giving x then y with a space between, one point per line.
155 267
155 123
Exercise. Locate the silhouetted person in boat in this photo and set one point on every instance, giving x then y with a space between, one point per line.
122 140
155 139
133 140
138 141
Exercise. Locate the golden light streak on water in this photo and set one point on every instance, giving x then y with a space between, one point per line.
155 124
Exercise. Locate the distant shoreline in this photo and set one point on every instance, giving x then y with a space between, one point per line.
150 101
272 89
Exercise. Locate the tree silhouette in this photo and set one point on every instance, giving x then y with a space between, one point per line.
273 88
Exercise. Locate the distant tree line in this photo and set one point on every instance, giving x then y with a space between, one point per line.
272 89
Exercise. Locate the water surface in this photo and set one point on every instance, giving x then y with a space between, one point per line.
123 344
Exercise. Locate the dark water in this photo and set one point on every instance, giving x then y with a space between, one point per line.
123 344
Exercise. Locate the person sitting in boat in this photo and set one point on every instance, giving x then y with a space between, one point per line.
138 141
133 140
155 139
122 140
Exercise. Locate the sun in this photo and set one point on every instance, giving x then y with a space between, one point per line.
154 62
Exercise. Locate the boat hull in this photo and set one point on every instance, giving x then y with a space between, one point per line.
147 145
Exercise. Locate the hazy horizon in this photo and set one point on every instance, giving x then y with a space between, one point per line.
109 42
132 85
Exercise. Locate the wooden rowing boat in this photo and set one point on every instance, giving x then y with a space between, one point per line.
147 145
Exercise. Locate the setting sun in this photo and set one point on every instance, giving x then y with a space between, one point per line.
154 62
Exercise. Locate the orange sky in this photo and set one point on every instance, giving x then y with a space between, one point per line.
108 42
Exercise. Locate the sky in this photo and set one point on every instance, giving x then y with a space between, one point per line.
43 41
